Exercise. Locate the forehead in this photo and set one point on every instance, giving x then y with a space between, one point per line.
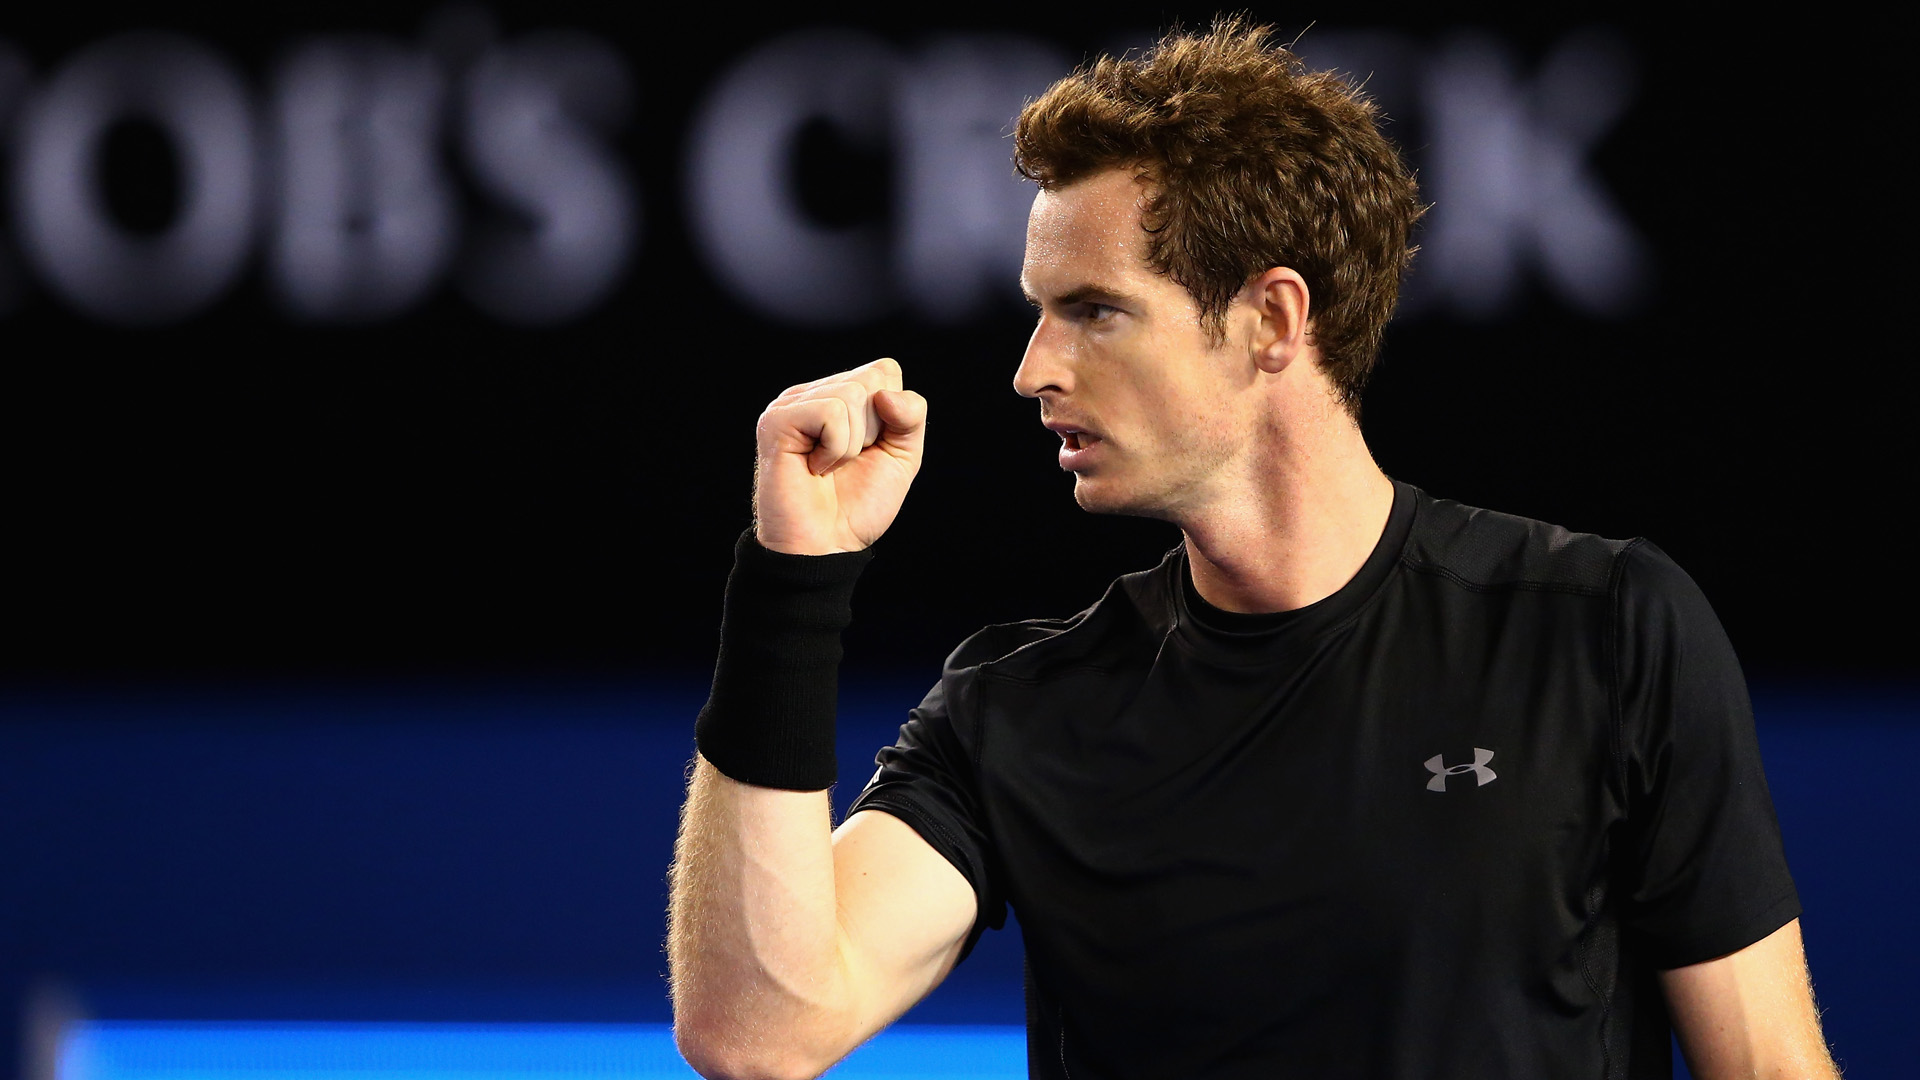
1087 229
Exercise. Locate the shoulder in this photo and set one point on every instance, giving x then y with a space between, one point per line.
1487 550
1134 612
1655 610
1663 619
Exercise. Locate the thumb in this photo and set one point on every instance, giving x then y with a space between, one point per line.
905 415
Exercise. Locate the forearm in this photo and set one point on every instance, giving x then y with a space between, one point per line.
760 980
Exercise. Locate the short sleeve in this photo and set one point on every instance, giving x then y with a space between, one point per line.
928 779
1707 872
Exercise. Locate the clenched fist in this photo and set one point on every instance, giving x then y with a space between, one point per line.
836 457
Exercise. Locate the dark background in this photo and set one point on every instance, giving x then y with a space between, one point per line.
241 493
348 672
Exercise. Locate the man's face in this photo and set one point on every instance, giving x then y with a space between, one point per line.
1150 412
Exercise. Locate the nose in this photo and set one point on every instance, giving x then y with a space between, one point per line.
1044 367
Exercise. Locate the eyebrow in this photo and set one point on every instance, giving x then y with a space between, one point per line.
1081 294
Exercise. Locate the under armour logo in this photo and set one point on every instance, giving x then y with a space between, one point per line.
1438 768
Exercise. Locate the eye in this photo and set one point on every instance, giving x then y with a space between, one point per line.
1097 313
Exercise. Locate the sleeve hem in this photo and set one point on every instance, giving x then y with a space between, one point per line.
1732 936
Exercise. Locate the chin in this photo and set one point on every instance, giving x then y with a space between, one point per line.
1096 497
1088 500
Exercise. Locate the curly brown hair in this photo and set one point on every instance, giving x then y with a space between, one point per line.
1251 162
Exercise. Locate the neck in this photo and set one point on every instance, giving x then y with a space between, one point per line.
1299 523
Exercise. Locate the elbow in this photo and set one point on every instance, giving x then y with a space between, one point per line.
725 1052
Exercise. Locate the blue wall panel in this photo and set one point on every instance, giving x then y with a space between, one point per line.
498 854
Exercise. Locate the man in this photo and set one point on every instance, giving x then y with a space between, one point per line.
1356 782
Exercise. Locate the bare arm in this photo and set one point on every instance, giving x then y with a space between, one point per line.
1750 1014
790 944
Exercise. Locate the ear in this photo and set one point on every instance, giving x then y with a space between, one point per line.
1279 297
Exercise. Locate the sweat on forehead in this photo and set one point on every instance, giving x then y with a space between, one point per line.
1096 215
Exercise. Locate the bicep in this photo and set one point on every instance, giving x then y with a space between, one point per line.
905 913
1750 1012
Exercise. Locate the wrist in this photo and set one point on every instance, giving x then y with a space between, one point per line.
811 547
802 530
769 719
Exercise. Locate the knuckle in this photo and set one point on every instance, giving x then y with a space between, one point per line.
853 402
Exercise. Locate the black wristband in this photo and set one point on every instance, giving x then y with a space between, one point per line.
769 718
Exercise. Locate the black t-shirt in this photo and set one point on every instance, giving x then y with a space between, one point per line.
1446 822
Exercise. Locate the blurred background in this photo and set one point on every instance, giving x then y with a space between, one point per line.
376 394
